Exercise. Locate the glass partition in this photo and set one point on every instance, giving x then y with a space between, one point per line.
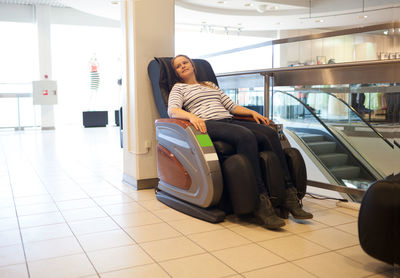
18 67
321 138
319 107
245 90
16 106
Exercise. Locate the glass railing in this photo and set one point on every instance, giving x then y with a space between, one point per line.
336 134
16 106
320 106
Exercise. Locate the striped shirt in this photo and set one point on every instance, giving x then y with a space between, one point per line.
206 102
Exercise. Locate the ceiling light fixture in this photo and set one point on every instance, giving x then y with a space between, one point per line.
114 2
319 20
226 30
385 32
261 8
363 16
248 4
221 2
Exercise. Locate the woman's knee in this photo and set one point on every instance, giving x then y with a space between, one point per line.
245 136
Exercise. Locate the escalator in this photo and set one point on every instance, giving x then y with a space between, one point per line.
348 151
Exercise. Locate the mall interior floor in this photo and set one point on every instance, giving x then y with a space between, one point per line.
65 212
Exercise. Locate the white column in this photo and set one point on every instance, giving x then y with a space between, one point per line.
42 17
148 28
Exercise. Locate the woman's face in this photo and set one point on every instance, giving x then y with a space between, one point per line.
183 67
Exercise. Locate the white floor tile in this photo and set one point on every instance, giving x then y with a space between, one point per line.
76 204
248 257
10 237
40 219
125 232
62 267
46 232
199 266
39 250
8 224
104 240
119 258
14 271
83 214
36 209
144 271
93 225
12 254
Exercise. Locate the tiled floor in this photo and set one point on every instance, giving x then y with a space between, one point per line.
64 212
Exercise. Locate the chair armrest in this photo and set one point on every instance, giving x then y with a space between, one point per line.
251 119
182 123
244 118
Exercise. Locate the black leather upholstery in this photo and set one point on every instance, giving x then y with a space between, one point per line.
379 220
162 72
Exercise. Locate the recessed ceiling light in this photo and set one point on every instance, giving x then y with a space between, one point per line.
114 2
221 2
385 32
248 4
319 20
273 7
363 16
262 8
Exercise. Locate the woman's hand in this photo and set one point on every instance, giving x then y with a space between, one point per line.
260 118
243 111
198 123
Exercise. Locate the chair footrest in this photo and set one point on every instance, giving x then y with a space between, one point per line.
210 214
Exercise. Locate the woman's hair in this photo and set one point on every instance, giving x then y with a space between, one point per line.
204 83
173 66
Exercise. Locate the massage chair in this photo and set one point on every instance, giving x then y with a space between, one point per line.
206 179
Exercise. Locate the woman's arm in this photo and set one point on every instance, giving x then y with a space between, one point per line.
197 122
243 111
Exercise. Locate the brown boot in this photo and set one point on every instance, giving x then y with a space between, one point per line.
265 214
293 205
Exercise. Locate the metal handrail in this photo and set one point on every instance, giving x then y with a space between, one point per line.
364 64
326 127
365 122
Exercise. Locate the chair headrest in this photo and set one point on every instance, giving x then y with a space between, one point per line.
163 78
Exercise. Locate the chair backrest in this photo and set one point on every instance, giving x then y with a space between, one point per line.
163 78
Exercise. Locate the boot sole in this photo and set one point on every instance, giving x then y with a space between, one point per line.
302 218
273 227
261 223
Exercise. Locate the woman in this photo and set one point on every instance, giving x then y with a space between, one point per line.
210 110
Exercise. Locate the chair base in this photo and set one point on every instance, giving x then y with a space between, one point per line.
211 215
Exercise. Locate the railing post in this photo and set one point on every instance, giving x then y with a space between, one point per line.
266 95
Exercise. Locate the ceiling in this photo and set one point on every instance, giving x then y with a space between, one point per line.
253 16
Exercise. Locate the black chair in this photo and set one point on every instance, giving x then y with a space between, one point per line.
379 220
208 179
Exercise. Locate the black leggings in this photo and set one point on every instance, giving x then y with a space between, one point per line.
249 138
